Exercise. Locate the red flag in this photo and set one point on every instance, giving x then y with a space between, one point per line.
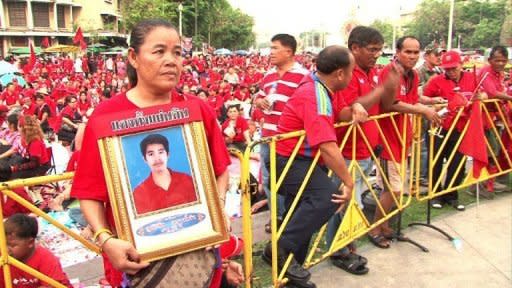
473 143
79 37
83 45
31 60
45 43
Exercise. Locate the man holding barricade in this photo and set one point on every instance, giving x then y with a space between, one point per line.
275 89
366 44
314 109
458 88
493 84
407 54
429 68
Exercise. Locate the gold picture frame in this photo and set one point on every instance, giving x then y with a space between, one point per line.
157 224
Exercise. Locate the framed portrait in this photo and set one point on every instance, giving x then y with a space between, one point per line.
162 189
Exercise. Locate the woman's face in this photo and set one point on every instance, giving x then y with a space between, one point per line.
158 62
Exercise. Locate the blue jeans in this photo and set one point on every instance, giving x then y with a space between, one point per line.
424 149
265 178
359 187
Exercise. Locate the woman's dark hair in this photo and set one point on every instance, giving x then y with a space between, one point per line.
70 98
13 120
137 37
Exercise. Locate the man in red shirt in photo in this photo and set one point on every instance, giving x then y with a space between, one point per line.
163 188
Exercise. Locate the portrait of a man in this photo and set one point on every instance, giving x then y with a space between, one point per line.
163 188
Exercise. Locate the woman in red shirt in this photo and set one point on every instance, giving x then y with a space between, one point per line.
154 69
37 160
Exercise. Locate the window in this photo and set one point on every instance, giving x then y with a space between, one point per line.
61 21
17 15
18 41
41 14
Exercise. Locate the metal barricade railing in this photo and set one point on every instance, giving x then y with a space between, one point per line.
346 233
435 154
5 259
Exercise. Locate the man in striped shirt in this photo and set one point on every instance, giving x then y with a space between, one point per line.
275 89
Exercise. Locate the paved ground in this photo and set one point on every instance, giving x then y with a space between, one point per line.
484 259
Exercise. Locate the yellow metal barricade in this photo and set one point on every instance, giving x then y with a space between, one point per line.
354 224
5 259
498 116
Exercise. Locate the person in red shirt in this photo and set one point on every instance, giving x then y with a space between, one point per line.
457 87
37 160
163 188
10 96
21 233
407 54
311 108
154 66
235 129
366 44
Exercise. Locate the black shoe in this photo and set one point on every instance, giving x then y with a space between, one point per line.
307 284
296 273
352 263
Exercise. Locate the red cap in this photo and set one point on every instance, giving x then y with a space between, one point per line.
4 108
450 59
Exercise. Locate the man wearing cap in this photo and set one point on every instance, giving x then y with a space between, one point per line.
430 67
456 86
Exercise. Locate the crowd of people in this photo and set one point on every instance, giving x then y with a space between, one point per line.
243 98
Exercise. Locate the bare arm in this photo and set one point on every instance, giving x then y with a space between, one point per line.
417 108
69 122
503 96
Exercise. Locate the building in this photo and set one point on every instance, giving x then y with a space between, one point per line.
29 21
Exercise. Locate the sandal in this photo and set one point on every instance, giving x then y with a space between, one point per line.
352 263
379 241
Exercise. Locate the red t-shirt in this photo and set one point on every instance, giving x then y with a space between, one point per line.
89 181
43 261
38 149
493 83
281 88
240 127
360 85
149 197
311 109
441 85
407 93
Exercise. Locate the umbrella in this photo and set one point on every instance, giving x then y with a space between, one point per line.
7 78
62 48
242 52
222 51
6 67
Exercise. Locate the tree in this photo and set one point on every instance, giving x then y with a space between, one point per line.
217 22
478 22
386 29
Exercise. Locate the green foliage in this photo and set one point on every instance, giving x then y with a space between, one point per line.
478 22
217 22
386 29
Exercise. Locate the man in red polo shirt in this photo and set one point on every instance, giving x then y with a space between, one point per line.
366 45
276 87
494 86
163 188
407 54
311 108
457 87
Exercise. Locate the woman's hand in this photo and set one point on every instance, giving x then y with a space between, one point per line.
123 256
